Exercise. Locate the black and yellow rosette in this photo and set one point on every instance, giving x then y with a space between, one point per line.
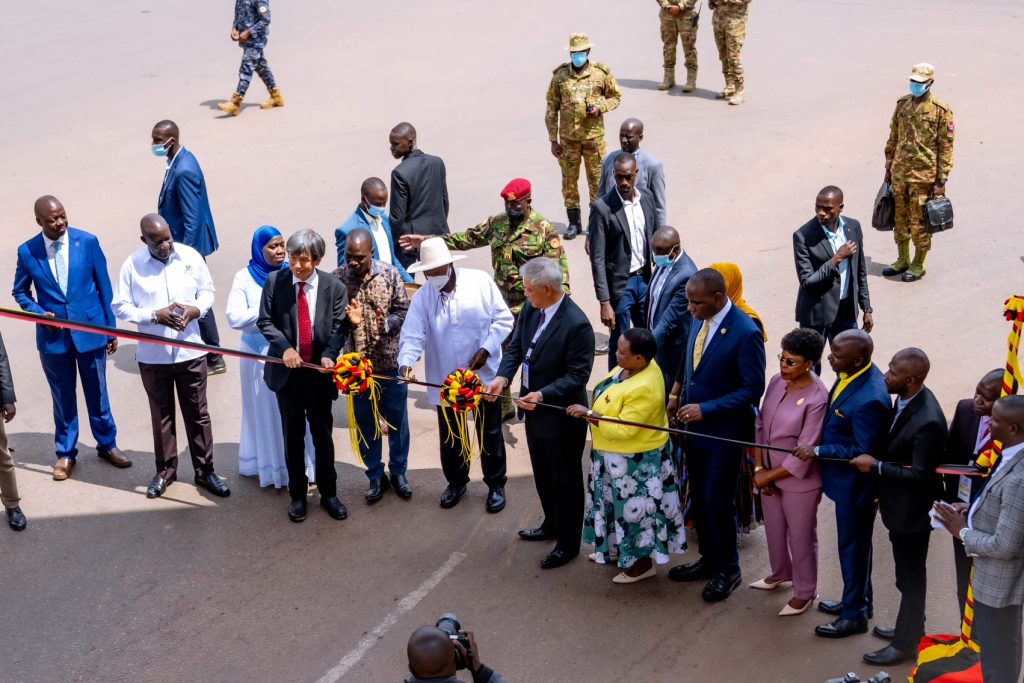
461 391
353 375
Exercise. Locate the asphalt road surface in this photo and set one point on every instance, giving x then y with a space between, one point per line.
106 585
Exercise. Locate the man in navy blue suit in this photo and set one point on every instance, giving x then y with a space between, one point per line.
668 316
185 205
68 271
720 381
858 417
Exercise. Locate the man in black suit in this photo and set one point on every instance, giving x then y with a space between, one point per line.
302 315
907 487
668 317
621 226
553 343
829 255
969 435
419 192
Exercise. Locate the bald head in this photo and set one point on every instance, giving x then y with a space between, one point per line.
631 132
371 185
402 140
851 351
431 653
156 235
1007 422
51 217
907 372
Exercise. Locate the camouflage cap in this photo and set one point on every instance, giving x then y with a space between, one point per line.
922 73
578 42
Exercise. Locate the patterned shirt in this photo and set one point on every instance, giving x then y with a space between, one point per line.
382 289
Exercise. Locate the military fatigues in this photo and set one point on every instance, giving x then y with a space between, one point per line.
581 136
253 16
729 22
919 154
681 27
534 237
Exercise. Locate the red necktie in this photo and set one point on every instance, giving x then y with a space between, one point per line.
305 326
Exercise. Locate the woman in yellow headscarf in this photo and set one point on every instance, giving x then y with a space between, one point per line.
734 290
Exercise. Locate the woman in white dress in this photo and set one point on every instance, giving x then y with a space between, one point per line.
261 447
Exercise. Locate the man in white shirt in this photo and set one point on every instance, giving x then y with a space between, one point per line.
458 320
165 288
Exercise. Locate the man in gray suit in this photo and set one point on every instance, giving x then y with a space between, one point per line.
992 531
650 173
8 484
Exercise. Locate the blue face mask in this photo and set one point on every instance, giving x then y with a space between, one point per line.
579 59
160 151
662 260
918 89
377 211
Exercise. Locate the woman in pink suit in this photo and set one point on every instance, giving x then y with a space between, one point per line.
792 413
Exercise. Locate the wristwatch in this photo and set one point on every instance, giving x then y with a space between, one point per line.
152 318
758 469
961 535
815 451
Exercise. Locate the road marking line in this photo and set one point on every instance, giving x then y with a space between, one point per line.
406 604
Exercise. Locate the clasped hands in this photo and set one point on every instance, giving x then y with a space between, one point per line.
177 315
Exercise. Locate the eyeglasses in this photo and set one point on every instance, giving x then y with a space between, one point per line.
789 363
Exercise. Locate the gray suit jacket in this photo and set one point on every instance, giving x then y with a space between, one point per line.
996 539
650 181
817 300
6 379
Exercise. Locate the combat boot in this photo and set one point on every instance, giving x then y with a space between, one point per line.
232 108
737 97
727 92
276 99
669 80
902 260
916 270
691 80
574 228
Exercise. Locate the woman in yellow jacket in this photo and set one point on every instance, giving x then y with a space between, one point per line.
633 512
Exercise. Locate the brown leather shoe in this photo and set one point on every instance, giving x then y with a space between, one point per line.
62 470
115 457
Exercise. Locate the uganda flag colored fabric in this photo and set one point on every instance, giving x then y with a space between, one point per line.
946 659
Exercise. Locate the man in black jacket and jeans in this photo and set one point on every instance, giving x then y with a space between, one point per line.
907 487
829 255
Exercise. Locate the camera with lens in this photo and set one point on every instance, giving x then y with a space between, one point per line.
449 623
881 677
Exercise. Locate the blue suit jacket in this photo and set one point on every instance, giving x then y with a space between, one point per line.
89 292
729 381
670 320
185 206
358 220
855 423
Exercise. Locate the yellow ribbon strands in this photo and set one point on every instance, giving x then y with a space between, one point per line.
353 375
461 391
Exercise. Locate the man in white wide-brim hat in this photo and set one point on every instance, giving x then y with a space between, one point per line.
459 321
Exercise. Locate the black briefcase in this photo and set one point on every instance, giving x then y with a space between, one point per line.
939 214
884 215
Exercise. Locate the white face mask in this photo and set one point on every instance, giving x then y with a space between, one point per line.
439 281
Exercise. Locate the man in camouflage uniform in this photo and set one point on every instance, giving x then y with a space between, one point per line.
580 93
729 23
250 30
679 23
918 160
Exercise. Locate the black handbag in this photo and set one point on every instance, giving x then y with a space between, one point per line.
884 215
938 214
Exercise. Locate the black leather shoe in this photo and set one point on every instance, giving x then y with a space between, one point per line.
496 499
833 607
214 484
841 628
720 587
157 487
538 534
556 558
297 511
912 277
401 486
451 496
16 519
887 656
695 571
884 633
376 490
889 271
335 508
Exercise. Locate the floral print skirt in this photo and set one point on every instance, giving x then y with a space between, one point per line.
633 510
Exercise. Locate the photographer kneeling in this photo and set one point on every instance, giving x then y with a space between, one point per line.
435 656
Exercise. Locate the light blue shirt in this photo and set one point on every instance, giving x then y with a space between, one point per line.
837 240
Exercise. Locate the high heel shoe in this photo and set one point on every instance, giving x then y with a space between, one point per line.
765 585
788 611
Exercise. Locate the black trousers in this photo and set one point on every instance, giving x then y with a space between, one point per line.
492 457
997 631
963 573
209 334
188 380
307 398
910 554
557 460
714 478
846 319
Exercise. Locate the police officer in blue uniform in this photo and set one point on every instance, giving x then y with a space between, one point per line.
251 30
